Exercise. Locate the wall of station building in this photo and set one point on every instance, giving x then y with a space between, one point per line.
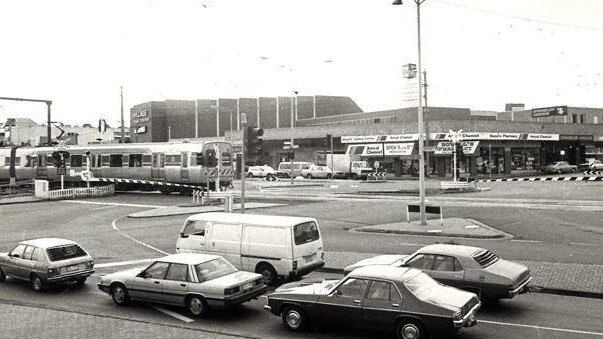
158 121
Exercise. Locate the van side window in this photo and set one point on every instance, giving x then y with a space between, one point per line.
194 227
305 232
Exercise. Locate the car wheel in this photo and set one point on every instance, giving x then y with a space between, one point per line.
268 272
294 318
354 176
250 175
411 329
2 275
37 284
329 176
269 177
309 176
196 306
120 295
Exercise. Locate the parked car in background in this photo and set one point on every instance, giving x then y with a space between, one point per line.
470 268
591 165
319 172
560 167
284 168
399 299
261 172
47 261
199 282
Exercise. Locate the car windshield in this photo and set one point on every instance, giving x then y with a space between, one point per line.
214 269
423 286
305 232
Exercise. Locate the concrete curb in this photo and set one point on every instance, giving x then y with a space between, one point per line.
440 234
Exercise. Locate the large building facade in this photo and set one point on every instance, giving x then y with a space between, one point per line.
518 141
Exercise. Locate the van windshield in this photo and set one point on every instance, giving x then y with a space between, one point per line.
194 227
305 233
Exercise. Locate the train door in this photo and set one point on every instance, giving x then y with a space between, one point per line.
184 167
41 171
156 164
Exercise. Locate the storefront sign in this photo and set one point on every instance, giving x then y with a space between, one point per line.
446 136
141 129
549 111
574 137
445 147
398 149
359 139
140 117
372 150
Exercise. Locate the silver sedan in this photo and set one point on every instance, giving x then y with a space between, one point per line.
199 282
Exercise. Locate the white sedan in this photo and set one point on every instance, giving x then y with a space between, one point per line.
317 172
199 282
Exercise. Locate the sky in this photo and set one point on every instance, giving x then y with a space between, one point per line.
478 54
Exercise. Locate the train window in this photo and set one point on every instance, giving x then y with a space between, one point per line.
136 160
32 161
125 160
173 159
76 160
105 160
146 160
7 161
184 160
115 160
161 160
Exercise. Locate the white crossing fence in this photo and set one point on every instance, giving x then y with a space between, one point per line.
80 192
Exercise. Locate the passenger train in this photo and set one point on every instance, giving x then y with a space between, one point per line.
181 163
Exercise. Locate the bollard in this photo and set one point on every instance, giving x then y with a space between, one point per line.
228 203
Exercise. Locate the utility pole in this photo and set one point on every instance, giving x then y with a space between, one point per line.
123 131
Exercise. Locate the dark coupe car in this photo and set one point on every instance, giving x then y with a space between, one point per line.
470 268
403 300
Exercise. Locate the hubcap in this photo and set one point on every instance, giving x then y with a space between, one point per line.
196 306
293 319
37 283
118 294
410 331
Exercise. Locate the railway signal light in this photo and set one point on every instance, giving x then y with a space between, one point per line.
200 159
254 142
210 158
328 140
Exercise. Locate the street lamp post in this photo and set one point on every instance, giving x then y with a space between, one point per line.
420 115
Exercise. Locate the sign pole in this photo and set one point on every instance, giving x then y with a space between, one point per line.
332 170
243 126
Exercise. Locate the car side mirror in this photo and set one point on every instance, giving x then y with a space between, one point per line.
142 275
14 255
182 235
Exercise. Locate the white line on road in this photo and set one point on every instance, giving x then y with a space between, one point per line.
103 208
112 204
137 241
541 327
531 241
124 263
583 244
172 313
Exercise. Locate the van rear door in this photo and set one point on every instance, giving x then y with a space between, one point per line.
225 240
307 243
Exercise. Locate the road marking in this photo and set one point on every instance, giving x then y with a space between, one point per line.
135 240
583 244
124 263
103 208
531 241
172 313
113 204
541 327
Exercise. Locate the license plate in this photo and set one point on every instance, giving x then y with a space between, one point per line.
247 286
72 268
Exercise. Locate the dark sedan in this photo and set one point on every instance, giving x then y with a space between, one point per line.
470 268
403 300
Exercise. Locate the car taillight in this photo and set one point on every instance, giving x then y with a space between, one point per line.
232 290
259 281
53 271
295 264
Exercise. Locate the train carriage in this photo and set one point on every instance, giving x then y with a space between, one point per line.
182 163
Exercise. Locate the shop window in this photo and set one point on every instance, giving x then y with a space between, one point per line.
595 119
574 118
582 118
146 160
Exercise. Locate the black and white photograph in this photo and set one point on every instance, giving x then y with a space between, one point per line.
358 169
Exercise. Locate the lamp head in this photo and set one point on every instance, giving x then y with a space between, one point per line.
397 2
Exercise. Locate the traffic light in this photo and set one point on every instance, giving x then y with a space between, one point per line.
210 158
459 151
254 142
328 141
59 158
200 159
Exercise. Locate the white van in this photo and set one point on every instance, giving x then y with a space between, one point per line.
274 246
285 168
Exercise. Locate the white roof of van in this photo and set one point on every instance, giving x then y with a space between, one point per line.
253 219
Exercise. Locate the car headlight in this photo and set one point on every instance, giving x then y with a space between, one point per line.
232 290
90 264
53 271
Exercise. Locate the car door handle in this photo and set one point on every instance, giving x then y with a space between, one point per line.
395 305
356 301
183 285
157 282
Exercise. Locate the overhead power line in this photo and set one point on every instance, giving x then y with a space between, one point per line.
520 17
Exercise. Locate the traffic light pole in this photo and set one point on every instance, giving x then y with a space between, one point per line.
291 174
244 140
332 170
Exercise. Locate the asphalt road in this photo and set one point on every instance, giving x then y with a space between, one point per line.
561 231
